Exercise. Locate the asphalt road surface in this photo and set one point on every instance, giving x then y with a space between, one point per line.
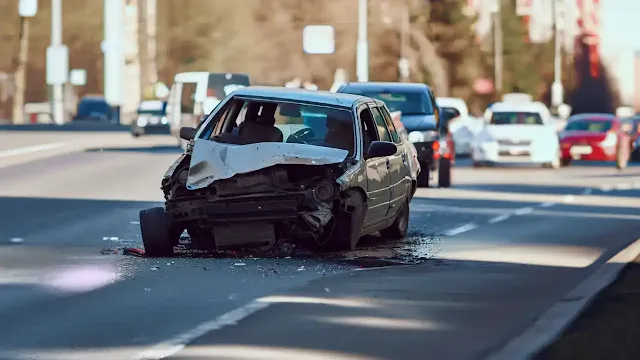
499 248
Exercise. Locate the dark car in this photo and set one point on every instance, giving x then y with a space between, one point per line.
272 165
423 121
151 118
93 108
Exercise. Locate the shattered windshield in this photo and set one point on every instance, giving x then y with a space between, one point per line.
290 123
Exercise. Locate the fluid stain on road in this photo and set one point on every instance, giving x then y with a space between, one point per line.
373 251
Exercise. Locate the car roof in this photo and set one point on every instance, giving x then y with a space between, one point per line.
515 106
593 116
379 86
300 95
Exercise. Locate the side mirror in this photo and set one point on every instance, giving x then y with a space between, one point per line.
187 133
381 149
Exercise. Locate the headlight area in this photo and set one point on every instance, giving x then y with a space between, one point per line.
142 121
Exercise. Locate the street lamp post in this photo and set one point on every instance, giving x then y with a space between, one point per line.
557 89
362 55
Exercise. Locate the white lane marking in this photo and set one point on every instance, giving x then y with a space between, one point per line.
636 185
499 218
16 240
552 323
177 343
568 198
606 188
523 211
29 149
587 191
460 229
547 204
624 187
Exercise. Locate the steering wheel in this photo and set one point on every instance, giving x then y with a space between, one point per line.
301 136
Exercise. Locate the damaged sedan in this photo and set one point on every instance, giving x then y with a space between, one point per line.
273 165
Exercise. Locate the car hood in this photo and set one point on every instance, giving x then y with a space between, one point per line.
212 161
418 122
519 132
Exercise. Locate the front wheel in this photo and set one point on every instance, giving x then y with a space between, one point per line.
158 236
400 226
444 173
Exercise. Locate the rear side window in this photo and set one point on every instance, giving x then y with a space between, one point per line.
383 133
516 118
390 126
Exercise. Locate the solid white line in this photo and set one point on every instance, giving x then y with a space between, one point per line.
460 229
177 343
29 149
551 324
523 211
499 218
568 198
547 204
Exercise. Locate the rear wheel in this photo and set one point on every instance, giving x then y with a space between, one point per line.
423 176
444 173
158 236
565 161
400 226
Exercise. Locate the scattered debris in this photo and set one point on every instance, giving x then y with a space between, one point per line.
301 268
154 268
239 264
133 251
108 251
134 222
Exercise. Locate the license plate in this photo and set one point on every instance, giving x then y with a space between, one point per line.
580 150
517 151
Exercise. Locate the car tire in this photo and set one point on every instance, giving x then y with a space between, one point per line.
423 176
477 164
565 162
135 134
158 236
444 173
400 226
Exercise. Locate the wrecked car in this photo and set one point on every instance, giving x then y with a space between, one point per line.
274 165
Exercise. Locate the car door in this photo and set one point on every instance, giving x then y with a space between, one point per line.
396 163
377 172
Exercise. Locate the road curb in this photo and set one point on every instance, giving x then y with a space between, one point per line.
554 321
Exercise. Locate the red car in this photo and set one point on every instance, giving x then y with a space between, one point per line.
595 137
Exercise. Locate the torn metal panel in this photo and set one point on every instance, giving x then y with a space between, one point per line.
212 161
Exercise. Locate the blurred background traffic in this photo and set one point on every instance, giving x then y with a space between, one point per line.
573 55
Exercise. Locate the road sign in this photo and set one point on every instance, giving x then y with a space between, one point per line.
57 64
28 8
318 39
78 77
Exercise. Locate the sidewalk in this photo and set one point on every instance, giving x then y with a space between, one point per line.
609 328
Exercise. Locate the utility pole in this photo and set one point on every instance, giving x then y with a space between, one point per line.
21 72
557 90
59 59
143 46
114 55
403 63
362 55
497 45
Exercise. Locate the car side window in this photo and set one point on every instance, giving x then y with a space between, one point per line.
390 126
369 133
383 132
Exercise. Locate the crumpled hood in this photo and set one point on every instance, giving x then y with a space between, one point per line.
418 122
212 161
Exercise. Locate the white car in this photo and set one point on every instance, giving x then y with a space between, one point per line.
518 133
463 128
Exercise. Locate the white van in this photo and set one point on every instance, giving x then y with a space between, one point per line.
194 95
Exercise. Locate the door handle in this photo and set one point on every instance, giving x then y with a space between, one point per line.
388 163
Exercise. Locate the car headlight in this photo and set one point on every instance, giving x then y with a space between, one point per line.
164 120
142 121
610 140
416 137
